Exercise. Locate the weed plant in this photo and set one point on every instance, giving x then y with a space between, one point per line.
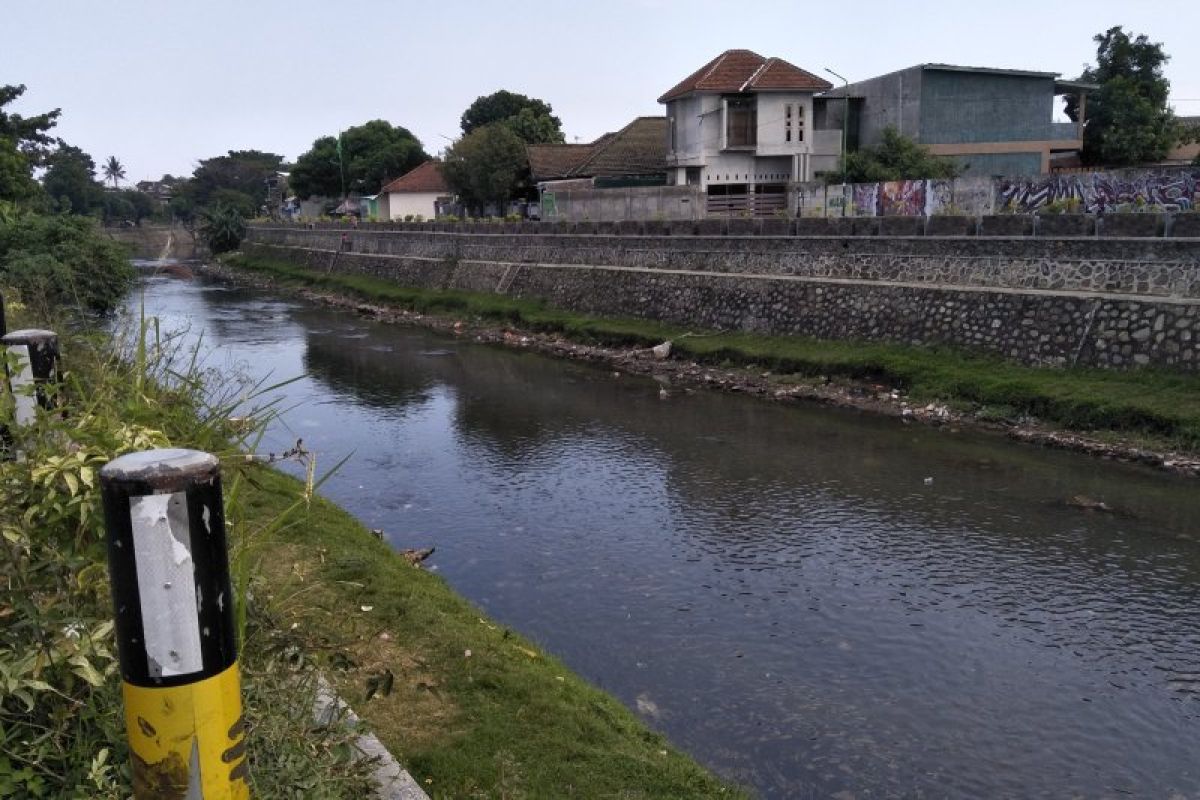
61 722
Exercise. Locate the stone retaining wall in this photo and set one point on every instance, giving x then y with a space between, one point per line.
1140 306
1162 268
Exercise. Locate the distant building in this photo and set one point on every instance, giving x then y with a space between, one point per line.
636 155
992 121
741 126
417 192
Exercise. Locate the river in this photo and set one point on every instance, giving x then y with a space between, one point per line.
811 601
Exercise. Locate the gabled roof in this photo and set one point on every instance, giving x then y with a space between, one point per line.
747 71
425 178
549 161
640 148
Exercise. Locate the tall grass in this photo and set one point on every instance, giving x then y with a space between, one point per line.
61 725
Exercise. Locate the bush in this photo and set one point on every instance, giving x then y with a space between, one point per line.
222 228
62 260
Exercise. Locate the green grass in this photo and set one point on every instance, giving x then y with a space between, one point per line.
1164 405
507 720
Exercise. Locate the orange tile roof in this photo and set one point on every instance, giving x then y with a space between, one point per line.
747 71
425 178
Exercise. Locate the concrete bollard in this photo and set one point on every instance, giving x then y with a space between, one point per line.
173 607
34 363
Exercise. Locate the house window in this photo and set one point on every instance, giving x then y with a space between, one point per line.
787 122
741 122
800 122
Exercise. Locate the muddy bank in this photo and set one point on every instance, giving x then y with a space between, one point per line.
677 375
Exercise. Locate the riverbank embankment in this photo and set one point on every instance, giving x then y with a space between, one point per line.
1147 416
1069 301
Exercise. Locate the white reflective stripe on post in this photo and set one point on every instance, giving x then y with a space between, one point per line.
22 385
162 550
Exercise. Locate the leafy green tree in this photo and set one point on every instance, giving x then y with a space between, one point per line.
222 228
370 155
30 134
182 208
895 158
1127 121
114 171
503 106
533 128
16 181
70 180
243 171
486 165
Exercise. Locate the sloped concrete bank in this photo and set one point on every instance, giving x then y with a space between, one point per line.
683 375
1113 303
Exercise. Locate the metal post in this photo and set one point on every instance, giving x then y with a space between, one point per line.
34 363
845 129
174 620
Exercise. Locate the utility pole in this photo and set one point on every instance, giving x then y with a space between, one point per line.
845 129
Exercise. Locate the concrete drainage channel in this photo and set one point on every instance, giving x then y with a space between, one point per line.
391 780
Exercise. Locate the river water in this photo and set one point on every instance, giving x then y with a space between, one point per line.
810 601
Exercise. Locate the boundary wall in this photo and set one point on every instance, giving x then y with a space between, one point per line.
1098 302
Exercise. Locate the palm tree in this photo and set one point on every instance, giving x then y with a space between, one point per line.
113 171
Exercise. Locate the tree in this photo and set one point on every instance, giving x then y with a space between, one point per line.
486 165
113 171
532 120
895 158
371 154
1127 121
16 181
30 134
242 171
70 180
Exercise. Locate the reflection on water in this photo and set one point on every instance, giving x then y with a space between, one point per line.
783 591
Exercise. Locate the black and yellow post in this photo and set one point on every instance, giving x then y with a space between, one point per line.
173 604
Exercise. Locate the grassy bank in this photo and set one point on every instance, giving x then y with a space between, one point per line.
1149 402
472 709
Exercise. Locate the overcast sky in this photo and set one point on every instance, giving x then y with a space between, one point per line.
162 84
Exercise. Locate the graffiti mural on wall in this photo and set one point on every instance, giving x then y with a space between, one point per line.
865 199
1099 192
902 198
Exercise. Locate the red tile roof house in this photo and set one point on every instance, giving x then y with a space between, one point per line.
741 127
416 192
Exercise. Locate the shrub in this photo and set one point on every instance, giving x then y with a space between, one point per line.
222 228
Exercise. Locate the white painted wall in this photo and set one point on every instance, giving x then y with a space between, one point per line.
401 204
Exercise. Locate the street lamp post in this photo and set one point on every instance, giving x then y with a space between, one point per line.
845 129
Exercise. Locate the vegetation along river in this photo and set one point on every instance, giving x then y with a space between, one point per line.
811 601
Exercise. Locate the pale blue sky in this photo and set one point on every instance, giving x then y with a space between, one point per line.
163 84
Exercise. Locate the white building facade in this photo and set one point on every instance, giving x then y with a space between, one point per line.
741 127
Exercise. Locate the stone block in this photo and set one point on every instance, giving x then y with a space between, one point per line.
841 226
740 226
606 228
713 226
685 227
813 226
584 228
901 226
1006 225
865 226
775 226
1061 226
655 227
629 227
951 226
1131 225
1186 226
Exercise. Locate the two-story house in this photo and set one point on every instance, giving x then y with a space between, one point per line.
741 126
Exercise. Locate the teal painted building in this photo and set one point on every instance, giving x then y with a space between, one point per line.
992 121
